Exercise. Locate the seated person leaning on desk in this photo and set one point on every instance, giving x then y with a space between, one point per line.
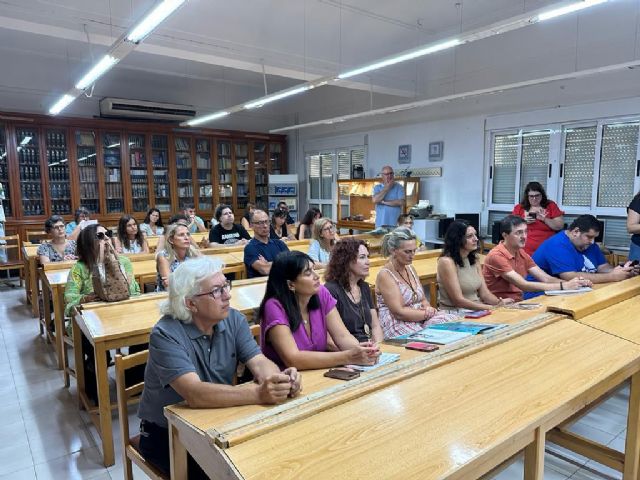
507 265
194 351
79 289
297 316
460 280
261 251
402 303
573 253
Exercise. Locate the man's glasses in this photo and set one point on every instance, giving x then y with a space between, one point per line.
261 222
216 292
103 235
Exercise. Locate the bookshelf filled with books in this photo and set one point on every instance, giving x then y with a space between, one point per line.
53 166
138 174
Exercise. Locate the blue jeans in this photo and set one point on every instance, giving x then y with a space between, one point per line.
634 251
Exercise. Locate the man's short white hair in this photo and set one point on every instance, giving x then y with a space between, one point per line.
184 283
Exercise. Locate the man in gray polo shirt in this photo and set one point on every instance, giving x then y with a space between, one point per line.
193 353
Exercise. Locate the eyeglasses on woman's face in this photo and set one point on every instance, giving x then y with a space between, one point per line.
59 226
104 235
216 292
329 228
534 195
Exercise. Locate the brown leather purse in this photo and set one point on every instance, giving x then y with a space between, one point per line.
109 278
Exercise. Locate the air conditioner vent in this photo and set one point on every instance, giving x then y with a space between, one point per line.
119 107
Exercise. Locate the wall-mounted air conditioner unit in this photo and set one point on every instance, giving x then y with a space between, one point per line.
120 107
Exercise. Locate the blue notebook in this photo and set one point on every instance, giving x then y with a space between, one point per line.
468 327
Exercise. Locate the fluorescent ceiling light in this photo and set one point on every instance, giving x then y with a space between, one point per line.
153 19
403 57
272 98
61 104
97 71
459 96
573 7
207 118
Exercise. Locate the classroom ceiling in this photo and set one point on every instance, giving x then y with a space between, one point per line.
212 54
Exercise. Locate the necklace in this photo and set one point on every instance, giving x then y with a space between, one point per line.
365 325
414 294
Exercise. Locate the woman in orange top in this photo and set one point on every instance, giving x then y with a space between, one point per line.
542 215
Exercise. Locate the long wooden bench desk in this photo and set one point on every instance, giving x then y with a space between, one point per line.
580 305
429 419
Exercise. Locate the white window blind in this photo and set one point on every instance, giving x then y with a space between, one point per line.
505 162
617 164
327 175
535 158
313 167
615 232
577 168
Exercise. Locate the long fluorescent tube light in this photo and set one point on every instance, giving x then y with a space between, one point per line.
464 95
401 58
574 7
97 71
61 104
208 118
153 19
272 98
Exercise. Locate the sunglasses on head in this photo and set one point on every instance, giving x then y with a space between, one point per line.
103 235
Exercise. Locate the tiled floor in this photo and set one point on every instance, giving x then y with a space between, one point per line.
44 435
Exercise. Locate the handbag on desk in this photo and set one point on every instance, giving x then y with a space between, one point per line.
109 278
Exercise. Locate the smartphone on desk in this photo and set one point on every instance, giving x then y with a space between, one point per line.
477 314
421 346
342 373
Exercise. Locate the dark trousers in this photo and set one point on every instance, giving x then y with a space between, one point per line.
154 447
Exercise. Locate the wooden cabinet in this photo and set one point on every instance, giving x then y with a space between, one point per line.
356 209
55 165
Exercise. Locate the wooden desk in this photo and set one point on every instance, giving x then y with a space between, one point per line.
581 305
31 277
459 419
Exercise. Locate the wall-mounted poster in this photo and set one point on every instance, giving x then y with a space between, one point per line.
436 151
404 154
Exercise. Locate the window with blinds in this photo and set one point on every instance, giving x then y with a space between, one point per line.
577 167
505 164
326 180
313 168
617 164
535 158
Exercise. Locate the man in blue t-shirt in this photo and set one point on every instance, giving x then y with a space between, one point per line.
261 250
573 253
388 197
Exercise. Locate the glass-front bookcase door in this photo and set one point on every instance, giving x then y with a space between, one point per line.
112 159
203 172
138 173
28 153
261 177
4 172
184 171
225 173
161 180
58 170
86 154
241 151
275 158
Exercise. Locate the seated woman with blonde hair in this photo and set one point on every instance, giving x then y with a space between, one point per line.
324 238
402 305
177 249
298 317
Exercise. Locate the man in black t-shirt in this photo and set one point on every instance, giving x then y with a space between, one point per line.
226 232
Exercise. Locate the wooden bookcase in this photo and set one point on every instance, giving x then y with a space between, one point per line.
52 166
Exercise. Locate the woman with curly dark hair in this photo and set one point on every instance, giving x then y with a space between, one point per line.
543 216
346 281
459 275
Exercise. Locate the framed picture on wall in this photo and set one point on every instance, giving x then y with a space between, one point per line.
404 154
436 151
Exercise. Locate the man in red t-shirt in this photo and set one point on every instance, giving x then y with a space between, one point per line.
507 265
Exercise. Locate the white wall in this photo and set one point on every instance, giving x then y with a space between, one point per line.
464 170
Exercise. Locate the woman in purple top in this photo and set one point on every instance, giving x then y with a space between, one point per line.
296 314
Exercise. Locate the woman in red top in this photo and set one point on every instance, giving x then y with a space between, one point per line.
542 215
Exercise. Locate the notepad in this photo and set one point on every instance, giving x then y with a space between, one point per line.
469 327
568 292
383 359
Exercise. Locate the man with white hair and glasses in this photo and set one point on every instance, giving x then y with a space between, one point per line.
194 351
